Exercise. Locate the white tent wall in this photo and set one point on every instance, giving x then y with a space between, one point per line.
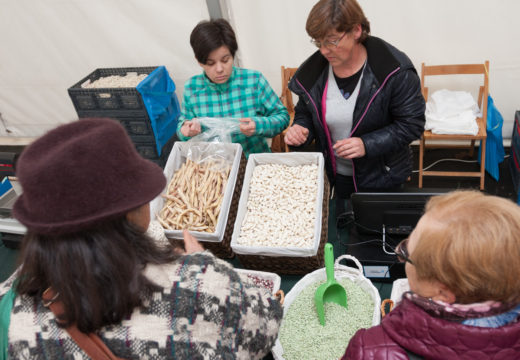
48 45
272 33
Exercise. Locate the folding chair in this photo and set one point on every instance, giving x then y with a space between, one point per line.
278 143
428 136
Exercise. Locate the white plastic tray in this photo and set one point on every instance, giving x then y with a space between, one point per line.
399 287
290 159
175 160
275 278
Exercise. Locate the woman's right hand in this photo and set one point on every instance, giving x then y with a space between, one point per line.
191 245
190 128
296 135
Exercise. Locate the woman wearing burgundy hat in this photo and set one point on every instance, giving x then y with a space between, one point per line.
92 285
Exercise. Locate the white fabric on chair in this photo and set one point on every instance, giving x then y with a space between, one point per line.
452 112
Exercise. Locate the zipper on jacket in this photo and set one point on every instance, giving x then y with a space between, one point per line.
325 128
363 116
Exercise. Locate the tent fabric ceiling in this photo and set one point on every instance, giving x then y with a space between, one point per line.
47 46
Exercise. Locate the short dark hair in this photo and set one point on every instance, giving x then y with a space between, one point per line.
209 35
98 273
339 15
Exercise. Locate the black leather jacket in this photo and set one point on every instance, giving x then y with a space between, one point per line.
388 116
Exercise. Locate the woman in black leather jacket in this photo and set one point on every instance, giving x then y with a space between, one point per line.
359 99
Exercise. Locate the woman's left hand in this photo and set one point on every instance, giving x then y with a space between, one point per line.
350 148
247 126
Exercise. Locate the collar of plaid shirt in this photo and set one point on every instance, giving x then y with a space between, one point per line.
220 87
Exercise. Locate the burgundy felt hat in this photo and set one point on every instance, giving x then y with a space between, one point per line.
80 174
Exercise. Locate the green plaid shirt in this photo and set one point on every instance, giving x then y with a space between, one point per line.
246 94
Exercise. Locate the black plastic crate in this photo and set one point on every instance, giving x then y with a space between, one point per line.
96 102
147 150
140 132
11 241
138 128
122 104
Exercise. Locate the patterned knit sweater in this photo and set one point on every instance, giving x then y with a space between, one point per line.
204 311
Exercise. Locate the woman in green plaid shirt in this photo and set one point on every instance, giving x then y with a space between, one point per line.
225 91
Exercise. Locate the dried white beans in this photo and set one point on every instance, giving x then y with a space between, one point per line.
130 80
281 208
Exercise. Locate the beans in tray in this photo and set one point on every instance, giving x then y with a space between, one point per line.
262 282
281 208
194 196
130 80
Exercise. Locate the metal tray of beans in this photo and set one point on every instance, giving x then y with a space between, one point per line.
204 183
281 222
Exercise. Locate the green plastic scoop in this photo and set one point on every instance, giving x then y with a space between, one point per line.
331 291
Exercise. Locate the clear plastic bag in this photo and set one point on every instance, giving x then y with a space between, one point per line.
216 129
216 157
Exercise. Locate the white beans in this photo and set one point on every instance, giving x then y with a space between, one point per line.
130 80
281 208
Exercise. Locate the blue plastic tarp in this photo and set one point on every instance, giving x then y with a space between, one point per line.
162 105
494 144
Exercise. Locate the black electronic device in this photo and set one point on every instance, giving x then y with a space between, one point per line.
394 213
377 265
382 220
11 241
8 163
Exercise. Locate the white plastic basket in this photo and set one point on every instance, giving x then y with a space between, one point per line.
290 159
275 278
178 157
399 287
340 272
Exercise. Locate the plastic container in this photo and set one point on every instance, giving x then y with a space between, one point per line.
340 271
270 277
89 101
285 260
178 157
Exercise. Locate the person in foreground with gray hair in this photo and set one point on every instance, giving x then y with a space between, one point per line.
463 265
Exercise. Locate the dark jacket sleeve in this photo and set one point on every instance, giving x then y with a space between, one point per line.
406 112
303 117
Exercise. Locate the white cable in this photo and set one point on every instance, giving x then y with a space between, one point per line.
384 242
441 160
459 160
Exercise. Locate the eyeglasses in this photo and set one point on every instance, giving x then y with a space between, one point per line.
328 43
401 250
